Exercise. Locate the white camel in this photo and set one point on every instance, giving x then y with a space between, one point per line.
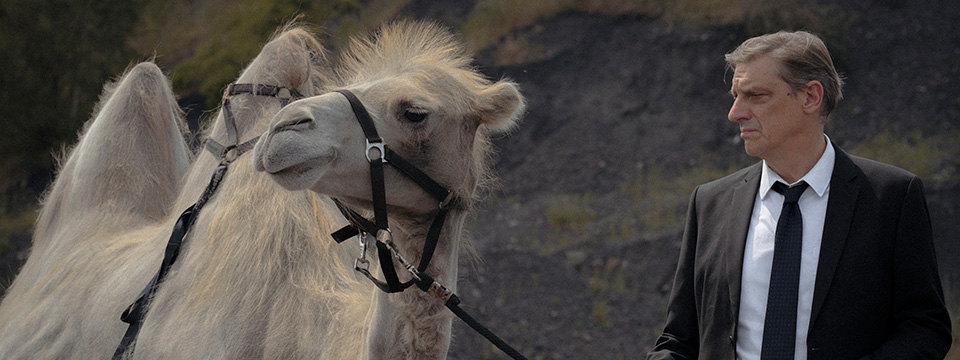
258 276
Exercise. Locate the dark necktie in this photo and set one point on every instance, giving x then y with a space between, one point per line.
780 323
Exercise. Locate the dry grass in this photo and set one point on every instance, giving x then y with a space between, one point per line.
651 205
570 212
173 30
930 156
207 43
15 224
516 50
660 197
607 280
494 23
371 15
492 20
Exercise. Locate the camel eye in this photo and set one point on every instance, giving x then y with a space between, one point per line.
415 115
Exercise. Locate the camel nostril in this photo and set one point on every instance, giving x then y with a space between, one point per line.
298 124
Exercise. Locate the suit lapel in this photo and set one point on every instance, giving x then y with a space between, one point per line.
735 232
836 227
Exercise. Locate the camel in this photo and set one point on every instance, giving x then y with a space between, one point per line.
258 275
427 105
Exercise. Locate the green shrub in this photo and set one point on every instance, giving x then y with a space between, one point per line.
927 155
15 223
569 212
237 36
569 218
660 197
208 43
608 279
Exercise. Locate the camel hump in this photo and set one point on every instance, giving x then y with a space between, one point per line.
131 156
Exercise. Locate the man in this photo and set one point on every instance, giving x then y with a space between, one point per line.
862 279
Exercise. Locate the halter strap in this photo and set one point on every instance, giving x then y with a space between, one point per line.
386 251
135 313
285 95
366 122
377 154
389 156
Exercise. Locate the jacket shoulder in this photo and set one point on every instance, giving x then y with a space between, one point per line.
880 177
731 181
881 171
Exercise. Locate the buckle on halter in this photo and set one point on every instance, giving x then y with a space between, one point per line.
446 201
440 292
285 96
379 146
230 153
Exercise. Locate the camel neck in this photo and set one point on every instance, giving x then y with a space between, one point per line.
412 323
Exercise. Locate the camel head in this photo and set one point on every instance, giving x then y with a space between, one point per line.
427 104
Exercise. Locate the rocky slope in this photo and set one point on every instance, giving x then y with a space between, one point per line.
614 96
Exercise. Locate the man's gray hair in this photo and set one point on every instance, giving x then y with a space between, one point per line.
803 57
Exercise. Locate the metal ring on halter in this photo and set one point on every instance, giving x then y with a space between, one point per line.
378 145
361 264
446 201
385 236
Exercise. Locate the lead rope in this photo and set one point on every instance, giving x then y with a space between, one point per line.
386 250
137 310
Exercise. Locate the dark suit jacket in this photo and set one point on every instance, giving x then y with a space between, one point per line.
877 292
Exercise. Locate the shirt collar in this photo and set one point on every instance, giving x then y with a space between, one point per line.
818 177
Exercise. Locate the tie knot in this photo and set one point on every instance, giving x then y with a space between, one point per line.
790 193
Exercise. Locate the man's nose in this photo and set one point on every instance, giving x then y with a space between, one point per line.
738 111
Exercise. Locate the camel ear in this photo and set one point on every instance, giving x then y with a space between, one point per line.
500 106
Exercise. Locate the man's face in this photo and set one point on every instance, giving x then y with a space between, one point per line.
769 112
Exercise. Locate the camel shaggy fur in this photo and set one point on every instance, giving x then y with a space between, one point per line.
259 276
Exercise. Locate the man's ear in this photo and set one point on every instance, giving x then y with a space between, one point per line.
813 97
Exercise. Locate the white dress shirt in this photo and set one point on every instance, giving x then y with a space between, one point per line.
758 254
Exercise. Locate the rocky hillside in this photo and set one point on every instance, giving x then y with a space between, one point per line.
626 116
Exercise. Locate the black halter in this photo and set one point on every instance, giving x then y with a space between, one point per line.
224 152
377 154
135 313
